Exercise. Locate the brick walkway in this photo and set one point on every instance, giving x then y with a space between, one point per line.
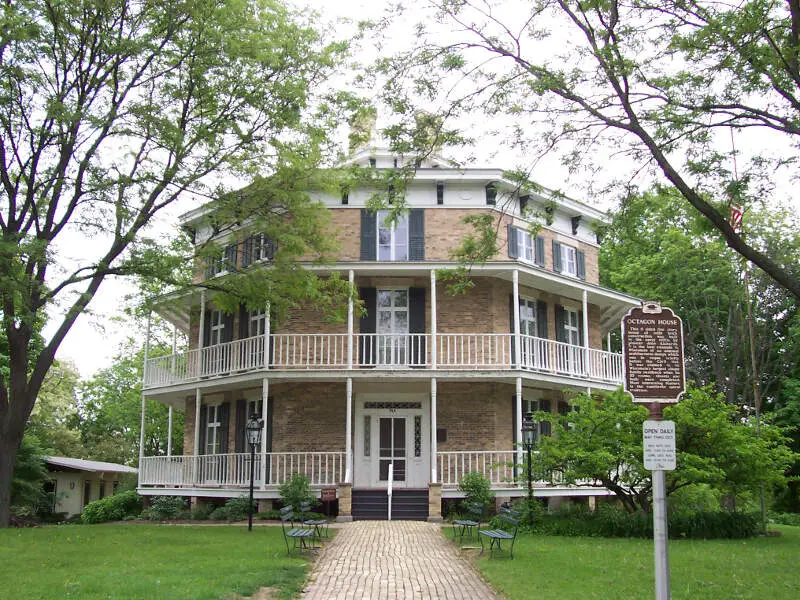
397 560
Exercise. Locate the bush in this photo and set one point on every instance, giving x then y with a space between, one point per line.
167 508
296 491
238 508
610 521
112 508
786 518
477 489
201 512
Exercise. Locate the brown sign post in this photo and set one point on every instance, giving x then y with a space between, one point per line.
652 343
652 355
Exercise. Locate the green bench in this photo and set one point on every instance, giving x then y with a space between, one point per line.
509 525
299 535
318 526
464 527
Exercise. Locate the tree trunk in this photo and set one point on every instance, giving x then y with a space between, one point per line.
8 456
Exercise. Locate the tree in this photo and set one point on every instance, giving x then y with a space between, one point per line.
659 248
53 419
110 112
660 84
599 444
109 415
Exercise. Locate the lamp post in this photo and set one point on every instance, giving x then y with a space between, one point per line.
529 441
253 430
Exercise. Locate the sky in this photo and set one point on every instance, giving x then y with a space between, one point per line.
96 337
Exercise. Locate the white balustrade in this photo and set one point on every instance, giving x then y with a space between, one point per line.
384 351
496 466
233 470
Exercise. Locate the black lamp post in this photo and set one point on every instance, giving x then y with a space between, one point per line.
253 428
529 441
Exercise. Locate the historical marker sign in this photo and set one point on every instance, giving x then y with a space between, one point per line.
652 349
659 445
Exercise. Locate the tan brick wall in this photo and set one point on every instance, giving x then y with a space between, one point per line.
188 427
346 227
472 414
309 417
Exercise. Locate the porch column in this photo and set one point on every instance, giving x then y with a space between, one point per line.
264 421
517 345
169 431
144 377
519 420
196 459
351 278
585 340
202 320
174 348
267 330
434 449
348 472
433 320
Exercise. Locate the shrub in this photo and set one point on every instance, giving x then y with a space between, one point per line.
477 489
296 490
201 512
166 508
112 508
238 508
786 519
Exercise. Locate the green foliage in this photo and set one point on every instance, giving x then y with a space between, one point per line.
54 416
792 519
477 489
110 407
202 512
30 474
112 508
609 521
166 508
296 490
602 441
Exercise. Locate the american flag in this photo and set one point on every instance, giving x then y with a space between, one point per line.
736 217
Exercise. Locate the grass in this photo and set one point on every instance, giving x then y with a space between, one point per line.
583 568
130 561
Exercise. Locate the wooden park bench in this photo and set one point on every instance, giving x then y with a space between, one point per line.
318 526
464 527
509 524
299 535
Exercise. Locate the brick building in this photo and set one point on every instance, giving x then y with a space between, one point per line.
433 384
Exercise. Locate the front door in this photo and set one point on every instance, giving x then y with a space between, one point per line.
392 429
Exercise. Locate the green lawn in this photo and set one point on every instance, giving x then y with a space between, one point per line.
134 561
582 568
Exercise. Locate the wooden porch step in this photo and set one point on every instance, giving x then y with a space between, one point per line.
374 504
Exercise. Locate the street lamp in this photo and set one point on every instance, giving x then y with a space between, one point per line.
529 432
253 429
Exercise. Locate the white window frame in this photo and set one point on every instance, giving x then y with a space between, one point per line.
257 321
392 345
572 327
530 405
398 237
569 260
526 246
212 428
259 247
216 327
527 326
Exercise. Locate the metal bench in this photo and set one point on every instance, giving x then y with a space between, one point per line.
319 526
464 527
508 519
298 535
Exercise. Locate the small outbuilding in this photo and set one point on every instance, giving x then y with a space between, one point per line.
75 482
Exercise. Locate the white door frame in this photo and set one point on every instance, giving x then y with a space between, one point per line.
369 408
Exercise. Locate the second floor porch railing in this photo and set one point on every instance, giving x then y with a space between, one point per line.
464 351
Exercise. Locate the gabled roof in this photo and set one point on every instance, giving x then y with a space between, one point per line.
93 466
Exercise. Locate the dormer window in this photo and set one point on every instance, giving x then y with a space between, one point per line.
491 194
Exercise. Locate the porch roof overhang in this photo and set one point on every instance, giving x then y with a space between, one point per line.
613 305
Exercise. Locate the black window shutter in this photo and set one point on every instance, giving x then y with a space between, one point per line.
580 264
511 309
440 193
222 430
227 327
207 327
230 257
247 251
556 257
512 242
416 234
563 408
201 440
514 428
244 322
367 349
241 424
561 333
416 324
546 426
270 413
539 258
369 234
541 319
580 328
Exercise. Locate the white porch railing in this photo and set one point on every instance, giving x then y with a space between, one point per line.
233 470
496 351
496 466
